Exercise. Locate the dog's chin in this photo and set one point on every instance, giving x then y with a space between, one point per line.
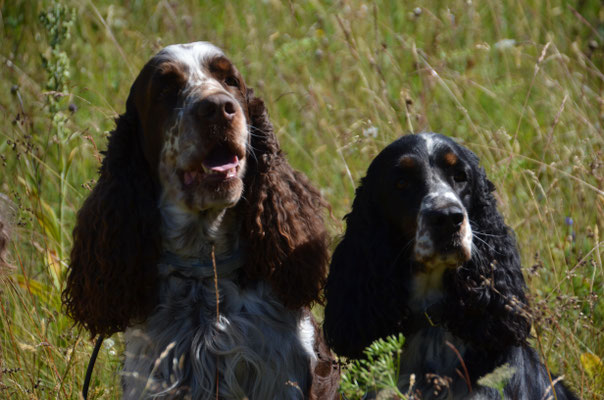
450 257
432 251
215 195
213 188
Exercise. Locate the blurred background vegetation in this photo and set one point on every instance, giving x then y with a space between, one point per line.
519 82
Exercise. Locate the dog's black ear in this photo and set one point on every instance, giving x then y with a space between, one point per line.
490 186
489 304
364 301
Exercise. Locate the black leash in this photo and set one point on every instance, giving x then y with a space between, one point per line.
95 353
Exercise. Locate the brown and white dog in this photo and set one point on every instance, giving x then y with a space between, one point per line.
194 173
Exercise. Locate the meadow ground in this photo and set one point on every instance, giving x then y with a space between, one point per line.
519 82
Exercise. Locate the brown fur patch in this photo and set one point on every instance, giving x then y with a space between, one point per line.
406 162
451 159
220 65
224 64
173 70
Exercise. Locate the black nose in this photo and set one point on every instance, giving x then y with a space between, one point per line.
449 219
216 108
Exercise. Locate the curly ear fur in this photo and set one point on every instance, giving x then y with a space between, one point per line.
488 292
112 274
281 218
365 300
3 241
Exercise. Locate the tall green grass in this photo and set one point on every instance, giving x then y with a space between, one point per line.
519 82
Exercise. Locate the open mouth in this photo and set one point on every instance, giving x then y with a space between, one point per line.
221 164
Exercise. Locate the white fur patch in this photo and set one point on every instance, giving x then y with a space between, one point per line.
466 230
306 332
258 348
192 55
430 140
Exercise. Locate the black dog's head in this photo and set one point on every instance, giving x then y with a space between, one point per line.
424 228
424 191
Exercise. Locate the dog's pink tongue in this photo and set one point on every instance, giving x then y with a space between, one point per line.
221 162
222 165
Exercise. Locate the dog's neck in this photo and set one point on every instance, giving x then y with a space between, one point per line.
196 235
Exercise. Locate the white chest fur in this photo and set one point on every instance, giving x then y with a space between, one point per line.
256 349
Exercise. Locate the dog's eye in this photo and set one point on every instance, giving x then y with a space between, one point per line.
402 184
232 81
460 176
167 92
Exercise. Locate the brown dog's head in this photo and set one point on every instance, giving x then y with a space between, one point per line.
193 139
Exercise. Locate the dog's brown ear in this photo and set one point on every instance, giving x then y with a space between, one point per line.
112 273
282 218
6 211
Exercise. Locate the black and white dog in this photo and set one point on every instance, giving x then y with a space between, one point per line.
427 253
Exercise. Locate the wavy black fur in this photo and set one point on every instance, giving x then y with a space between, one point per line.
482 309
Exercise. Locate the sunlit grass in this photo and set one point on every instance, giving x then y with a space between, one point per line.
520 83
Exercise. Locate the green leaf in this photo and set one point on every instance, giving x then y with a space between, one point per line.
44 293
498 378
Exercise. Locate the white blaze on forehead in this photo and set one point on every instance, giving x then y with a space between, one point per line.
191 53
440 189
194 56
431 140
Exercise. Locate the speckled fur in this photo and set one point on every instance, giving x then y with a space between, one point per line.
258 348
194 170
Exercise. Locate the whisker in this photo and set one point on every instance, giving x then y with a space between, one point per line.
488 245
486 234
252 152
474 226
477 251
253 128
254 133
400 253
